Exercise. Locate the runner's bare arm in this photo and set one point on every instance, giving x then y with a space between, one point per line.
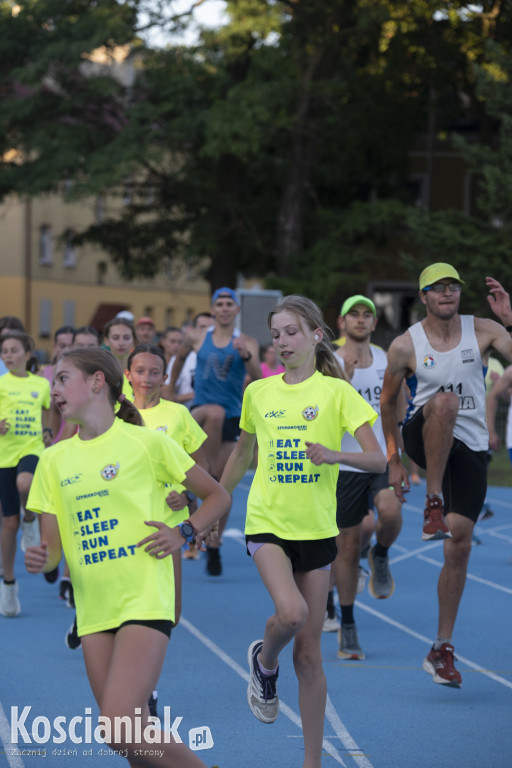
400 363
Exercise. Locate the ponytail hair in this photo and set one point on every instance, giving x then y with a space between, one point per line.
92 359
311 317
28 345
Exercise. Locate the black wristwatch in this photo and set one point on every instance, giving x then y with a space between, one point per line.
246 358
187 530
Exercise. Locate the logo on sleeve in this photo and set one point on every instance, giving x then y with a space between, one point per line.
428 361
310 413
110 471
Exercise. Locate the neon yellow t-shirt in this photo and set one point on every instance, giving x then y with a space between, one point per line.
22 398
290 496
176 421
127 389
102 491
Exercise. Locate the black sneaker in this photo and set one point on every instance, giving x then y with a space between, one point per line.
72 640
152 704
52 576
213 563
64 588
70 602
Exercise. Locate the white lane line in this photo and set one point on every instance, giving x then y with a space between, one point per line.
495 535
498 502
415 552
284 708
408 631
14 761
346 739
470 576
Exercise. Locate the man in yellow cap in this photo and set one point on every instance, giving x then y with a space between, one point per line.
443 358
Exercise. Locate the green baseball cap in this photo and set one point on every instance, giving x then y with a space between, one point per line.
357 299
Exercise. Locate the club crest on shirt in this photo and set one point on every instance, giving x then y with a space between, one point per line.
310 413
110 471
428 361
35 395
161 429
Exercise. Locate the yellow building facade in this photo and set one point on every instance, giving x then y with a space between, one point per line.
47 282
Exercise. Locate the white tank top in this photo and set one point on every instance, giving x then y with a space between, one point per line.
368 382
508 436
458 370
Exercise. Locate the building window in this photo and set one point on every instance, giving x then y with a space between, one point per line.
68 313
45 318
45 245
169 317
69 260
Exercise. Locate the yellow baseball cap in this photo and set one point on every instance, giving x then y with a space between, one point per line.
438 271
357 299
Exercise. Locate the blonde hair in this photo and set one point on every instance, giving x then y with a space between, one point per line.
310 315
92 359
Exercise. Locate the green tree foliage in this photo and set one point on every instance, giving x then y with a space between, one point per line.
278 145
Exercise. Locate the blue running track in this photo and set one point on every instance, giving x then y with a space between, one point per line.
384 712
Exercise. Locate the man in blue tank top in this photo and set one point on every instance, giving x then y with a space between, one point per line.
444 358
224 358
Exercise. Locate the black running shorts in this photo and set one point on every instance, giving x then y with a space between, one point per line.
465 477
355 493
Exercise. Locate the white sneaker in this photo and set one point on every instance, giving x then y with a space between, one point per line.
261 693
30 536
330 625
9 603
362 576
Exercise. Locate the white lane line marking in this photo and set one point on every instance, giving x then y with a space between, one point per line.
499 502
415 552
284 708
346 739
470 576
408 631
14 761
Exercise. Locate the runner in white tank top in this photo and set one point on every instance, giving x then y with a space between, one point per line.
364 365
445 431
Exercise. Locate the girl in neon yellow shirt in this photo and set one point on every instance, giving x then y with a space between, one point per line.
146 373
119 337
298 420
100 498
24 432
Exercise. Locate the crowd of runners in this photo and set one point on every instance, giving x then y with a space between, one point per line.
109 505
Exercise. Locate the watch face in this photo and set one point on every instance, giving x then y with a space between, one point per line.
187 529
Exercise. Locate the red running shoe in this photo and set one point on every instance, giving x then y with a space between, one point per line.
439 664
434 526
